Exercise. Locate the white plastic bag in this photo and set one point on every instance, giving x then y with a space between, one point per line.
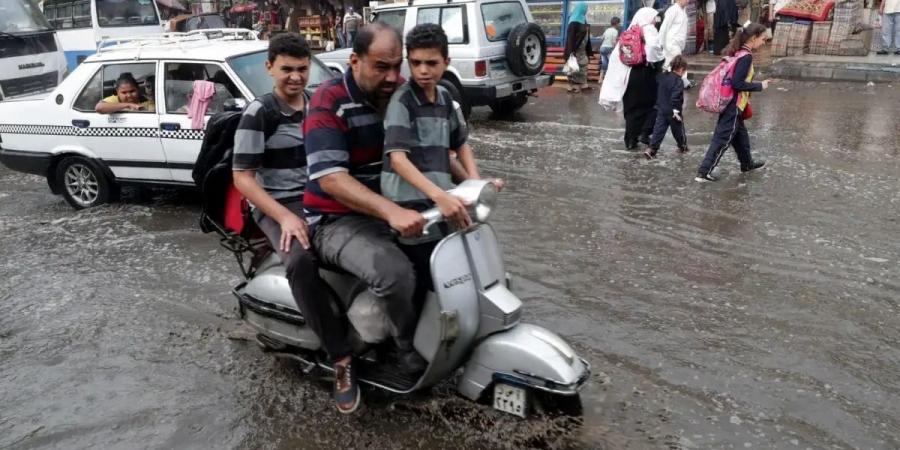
571 65
329 46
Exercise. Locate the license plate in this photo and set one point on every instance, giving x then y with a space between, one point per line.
511 399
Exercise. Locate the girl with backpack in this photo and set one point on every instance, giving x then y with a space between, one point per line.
730 129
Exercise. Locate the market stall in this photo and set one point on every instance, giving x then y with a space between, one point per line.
825 27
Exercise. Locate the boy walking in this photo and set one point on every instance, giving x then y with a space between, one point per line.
610 37
422 126
669 103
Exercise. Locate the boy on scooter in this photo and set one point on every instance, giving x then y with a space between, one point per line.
423 128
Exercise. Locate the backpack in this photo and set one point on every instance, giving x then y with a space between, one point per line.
716 91
631 46
212 170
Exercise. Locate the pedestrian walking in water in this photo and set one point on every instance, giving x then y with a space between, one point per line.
669 108
639 101
726 19
890 27
730 129
578 42
673 32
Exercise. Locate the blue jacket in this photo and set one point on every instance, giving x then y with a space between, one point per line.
669 93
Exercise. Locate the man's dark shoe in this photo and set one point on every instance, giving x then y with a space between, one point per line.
346 389
753 166
708 178
650 153
897 52
684 149
882 52
410 362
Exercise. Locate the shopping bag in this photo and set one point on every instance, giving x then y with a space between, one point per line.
329 46
571 65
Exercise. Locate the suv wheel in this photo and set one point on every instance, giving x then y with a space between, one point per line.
508 105
456 93
526 50
82 183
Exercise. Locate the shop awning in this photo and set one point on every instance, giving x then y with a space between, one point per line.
173 4
243 7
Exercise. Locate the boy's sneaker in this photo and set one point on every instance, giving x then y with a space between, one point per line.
650 153
753 166
882 52
708 178
346 389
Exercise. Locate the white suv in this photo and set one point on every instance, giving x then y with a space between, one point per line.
496 52
86 156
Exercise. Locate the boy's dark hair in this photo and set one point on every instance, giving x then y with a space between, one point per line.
288 44
678 63
615 21
126 78
427 35
366 35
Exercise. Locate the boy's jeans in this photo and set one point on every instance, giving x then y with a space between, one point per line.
890 32
604 57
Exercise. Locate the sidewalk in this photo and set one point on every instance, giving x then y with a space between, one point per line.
873 68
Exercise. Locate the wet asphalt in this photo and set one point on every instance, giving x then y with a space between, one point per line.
762 311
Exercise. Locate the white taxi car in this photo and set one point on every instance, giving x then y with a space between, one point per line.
86 156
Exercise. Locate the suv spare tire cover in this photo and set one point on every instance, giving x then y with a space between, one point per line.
526 49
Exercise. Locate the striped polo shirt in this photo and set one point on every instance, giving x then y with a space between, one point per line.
280 160
344 133
427 131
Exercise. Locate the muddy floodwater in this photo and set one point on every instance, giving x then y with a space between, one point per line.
762 311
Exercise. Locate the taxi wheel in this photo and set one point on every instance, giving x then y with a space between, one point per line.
82 183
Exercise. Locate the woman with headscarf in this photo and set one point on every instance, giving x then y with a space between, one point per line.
633 88
578 42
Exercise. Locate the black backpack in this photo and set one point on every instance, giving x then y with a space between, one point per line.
212 170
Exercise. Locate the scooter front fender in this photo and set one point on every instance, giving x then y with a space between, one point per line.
526 355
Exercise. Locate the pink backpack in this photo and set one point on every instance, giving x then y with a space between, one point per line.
716 91
631 46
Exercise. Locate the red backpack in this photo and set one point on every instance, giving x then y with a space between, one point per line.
631 46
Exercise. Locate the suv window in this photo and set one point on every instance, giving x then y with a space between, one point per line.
103 85
396 18
179 86
450 18
501 18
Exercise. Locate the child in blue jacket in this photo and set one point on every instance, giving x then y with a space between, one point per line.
669 104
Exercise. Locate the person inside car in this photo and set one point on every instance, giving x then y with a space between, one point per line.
126 99
269 169
351 221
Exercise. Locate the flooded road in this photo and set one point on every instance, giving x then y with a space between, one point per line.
762 311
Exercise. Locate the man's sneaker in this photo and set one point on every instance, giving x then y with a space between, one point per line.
650 153
705 178
408 361
684 149
882 52
346 389
897 52
753 166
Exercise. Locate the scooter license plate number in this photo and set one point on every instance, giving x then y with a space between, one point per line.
510 399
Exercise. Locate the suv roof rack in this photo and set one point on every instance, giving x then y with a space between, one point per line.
176 39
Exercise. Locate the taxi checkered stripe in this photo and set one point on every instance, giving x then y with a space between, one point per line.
55 130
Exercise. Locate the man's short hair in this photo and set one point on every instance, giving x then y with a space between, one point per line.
288 44
678 63
427 35
615 21
366 35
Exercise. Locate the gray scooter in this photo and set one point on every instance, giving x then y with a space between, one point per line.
470 322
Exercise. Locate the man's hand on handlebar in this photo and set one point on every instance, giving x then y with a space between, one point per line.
454 210
407 222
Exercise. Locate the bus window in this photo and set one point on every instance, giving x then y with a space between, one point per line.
124 13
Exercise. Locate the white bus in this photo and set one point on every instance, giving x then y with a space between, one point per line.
31 59
82 24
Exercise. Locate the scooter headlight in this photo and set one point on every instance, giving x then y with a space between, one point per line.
480 195
484 206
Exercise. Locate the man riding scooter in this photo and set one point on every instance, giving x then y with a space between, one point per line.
269 169
351 222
